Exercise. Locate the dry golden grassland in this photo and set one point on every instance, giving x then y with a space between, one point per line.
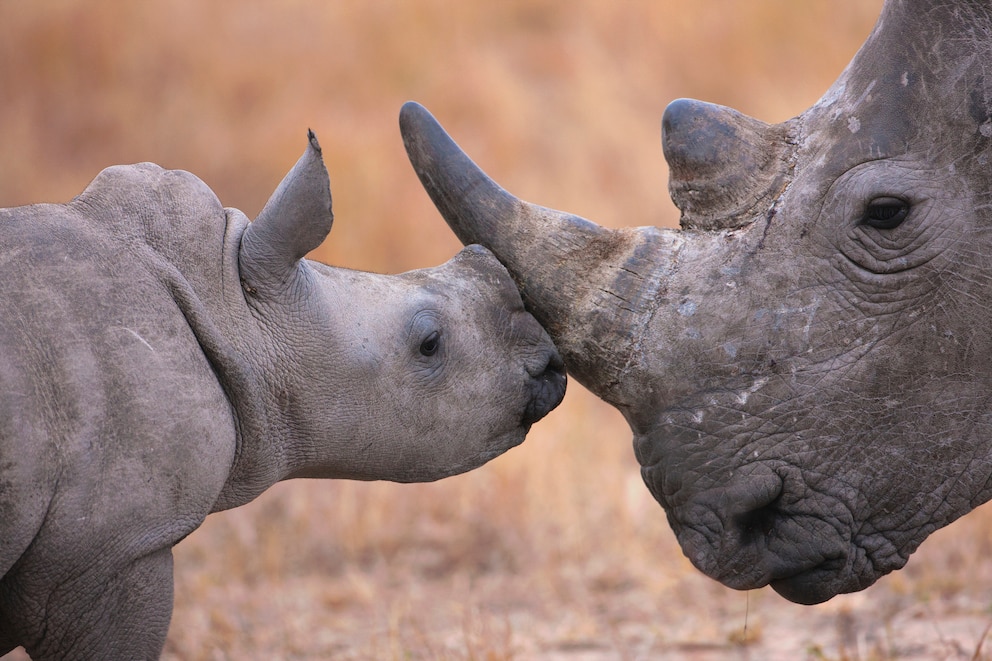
556 550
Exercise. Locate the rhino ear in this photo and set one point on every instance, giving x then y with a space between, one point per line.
295 220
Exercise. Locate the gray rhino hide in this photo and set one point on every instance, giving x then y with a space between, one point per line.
161 358
806 365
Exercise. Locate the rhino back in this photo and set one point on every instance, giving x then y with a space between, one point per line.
114 431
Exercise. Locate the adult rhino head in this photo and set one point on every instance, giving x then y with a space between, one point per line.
161 358
806 365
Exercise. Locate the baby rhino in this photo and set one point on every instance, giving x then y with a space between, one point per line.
162 358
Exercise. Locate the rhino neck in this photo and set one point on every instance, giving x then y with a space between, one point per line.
172 223
207 288
229 338
219 319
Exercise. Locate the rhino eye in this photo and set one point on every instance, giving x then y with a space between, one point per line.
431 344
885 213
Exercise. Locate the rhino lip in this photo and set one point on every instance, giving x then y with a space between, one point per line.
747 566
814 585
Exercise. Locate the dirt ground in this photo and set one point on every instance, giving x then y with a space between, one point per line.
426 603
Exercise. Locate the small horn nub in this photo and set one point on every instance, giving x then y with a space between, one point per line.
725 167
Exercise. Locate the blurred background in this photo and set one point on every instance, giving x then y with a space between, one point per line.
556 550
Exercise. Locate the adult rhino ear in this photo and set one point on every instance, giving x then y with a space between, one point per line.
295 220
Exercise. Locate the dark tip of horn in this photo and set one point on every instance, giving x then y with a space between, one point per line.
474 206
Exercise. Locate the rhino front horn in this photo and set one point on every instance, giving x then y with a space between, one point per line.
725 167
295 220
587 285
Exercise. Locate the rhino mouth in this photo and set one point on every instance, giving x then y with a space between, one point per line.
547 389
804 556
766 523
817 584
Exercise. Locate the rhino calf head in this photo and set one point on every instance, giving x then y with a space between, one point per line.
409 377
806 365
162 358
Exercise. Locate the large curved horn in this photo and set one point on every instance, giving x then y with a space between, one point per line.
591 287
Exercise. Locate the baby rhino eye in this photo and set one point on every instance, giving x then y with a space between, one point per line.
431 344
885 213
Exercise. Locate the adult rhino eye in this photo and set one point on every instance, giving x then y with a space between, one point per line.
886 213
431 344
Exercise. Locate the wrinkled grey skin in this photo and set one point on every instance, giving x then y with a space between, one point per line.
807 378
161 359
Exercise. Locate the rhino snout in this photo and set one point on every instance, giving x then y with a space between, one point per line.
547 387
543 365
762 529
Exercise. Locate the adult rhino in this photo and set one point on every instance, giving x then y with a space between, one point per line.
162 358
807 365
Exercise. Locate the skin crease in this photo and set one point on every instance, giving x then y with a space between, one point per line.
176 360
803 365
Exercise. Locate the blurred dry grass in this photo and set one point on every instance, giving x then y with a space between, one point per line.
556 550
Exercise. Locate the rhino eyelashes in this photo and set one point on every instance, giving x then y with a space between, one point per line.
885 213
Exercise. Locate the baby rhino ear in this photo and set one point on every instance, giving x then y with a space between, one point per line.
295 220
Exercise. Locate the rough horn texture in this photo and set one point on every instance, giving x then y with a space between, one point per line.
584 283
723 165
808 384
161 359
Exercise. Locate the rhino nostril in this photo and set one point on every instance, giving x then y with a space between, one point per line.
759 522
750 507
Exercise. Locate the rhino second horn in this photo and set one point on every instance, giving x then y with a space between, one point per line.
725 167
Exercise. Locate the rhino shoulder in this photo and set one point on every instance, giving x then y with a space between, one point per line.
147 187
172 210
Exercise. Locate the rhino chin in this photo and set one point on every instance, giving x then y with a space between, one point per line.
805 580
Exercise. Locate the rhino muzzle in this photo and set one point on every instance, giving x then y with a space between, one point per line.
547 389
545 368
744 533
